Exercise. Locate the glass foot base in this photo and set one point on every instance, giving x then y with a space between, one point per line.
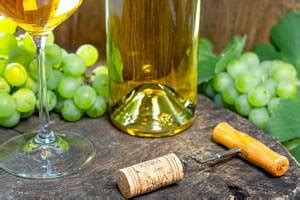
21 156
153 110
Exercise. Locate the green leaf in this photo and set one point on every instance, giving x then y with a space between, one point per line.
292 144
296 153
205 49
206 69
286 37
207 61
266 52
233 50
284 124
294 147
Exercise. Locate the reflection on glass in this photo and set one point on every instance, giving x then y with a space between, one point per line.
43 153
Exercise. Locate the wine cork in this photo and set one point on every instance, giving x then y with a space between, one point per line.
150 175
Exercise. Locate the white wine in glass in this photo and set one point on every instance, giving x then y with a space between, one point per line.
43 153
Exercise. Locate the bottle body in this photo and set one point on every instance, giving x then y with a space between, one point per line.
152 60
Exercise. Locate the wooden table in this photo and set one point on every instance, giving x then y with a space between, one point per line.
231 179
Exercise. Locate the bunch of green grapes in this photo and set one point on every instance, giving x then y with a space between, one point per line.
253 89
70 92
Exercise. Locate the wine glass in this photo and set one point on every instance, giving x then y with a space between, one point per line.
43 153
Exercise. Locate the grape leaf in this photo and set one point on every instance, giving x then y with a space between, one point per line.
294 147
266 52
284 124
296 153
206 48
207 61
206 69
233 50
285 37
209 64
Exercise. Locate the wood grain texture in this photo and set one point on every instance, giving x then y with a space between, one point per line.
234 178
221 19
87 25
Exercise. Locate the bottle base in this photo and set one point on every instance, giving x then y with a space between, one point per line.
153 110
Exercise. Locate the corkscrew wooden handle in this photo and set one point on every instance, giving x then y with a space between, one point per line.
251 149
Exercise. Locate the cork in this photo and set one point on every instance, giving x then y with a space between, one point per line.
150 175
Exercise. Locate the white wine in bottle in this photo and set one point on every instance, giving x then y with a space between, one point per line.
152 60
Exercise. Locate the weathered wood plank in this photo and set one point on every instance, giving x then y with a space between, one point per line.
233 178
220 20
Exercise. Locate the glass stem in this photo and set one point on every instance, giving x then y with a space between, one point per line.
44 134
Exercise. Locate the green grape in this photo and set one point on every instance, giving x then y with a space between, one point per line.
100 84
235 68
7 43
51 101
274 66
50 38
230 95
284 72
54 79
25 100
218 101
88 53
64 52
31 85
273 105
259 74
54 55
250 59
60 103
4 86
245 82
286 89
25 41
7 105
3 64
73 65
85 97
67 86
222 81
242 105
259 96
21 56
208 90
98 108
271 85
10 121
266 66
259 117
33 70
70 112
15 74
27 114
7 25
99 70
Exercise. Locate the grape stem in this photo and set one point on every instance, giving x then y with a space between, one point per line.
44 134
